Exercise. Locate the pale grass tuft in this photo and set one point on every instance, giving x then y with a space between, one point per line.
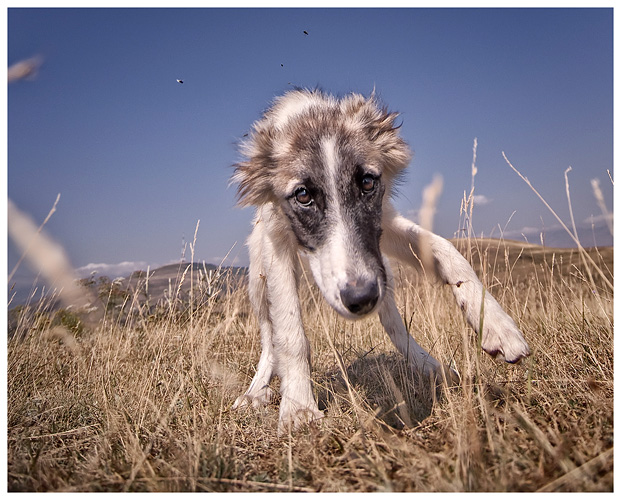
597 192
25 69
431 194
48 258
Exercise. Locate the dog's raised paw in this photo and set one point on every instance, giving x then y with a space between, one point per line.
504 341
512 355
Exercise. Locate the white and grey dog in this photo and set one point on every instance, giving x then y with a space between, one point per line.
321 171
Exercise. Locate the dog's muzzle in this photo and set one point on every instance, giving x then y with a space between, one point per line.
361 296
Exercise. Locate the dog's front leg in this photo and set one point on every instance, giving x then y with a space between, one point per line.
259 393
408 242
393 324
414 354
275 297
290 346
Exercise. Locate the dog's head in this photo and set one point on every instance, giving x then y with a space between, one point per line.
328 164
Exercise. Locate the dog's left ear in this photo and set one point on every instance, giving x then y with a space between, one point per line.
383 132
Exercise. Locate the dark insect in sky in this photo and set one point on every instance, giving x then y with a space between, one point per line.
305 32
179 81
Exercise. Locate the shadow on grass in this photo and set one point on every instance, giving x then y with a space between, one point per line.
389 388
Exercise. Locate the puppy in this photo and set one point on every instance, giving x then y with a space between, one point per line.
321 171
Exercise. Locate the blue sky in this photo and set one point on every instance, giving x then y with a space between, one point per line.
138 158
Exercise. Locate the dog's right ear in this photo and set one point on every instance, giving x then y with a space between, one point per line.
254 176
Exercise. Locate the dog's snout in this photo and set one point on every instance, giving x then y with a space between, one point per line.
360 297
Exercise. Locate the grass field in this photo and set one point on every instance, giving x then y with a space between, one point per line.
143 403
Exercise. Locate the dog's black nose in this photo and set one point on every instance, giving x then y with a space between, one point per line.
360 297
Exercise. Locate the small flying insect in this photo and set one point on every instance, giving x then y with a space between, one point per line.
305 32
179 81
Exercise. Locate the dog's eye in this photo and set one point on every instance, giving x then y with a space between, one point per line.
303 197
367 184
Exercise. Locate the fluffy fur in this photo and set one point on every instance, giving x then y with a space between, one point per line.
321 171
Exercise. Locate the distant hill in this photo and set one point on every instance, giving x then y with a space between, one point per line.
177 278
161 281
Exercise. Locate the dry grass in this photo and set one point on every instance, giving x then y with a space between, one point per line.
145 406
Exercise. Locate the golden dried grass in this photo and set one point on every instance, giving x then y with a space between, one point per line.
145 406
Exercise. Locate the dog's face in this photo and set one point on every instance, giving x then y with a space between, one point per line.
328 164
334 205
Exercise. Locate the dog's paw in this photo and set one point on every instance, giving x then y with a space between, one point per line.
439 374
502 339
293 417
256 399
